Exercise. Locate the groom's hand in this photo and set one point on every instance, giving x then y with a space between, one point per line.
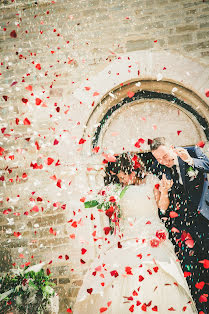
184 155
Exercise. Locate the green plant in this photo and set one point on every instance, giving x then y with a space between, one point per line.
28 290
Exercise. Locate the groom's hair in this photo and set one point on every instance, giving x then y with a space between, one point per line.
157 142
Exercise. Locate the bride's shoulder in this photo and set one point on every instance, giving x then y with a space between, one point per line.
152 179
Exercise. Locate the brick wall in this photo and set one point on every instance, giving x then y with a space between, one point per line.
48 48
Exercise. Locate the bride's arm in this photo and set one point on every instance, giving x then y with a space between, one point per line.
161 193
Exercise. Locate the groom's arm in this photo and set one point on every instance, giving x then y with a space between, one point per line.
201 162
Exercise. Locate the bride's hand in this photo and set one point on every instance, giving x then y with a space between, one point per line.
165 184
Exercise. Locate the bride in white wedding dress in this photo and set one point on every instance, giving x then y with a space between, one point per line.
139 271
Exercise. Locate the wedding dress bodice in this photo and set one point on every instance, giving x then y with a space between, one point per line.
139 200
139 209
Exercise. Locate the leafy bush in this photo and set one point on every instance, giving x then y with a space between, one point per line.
28 290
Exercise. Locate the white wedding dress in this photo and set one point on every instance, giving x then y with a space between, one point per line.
131 275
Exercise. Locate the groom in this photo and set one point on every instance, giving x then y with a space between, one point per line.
188 214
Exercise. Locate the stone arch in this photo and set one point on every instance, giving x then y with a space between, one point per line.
166 78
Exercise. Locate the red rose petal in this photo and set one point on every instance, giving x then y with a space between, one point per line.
82 141
154 308
131 309
205 263
203 298
38 101
24 100
29 88
141 278
83 251
201 144
90 290
103 309
207 93
200 285
173 214
178 132
38 66
130 94
26 121
13 34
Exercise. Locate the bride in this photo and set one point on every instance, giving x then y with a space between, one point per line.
139 271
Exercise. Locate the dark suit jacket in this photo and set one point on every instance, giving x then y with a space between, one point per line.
197 190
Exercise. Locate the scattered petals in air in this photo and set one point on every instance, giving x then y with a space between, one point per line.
130 94
38 101
207 93
201 144
13 34
82 141
200 285
173 214
205 263
26 121
203 298
38 66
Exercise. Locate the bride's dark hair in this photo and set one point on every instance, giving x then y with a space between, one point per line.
126 162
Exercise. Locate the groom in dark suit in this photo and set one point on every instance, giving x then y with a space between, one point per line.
187 218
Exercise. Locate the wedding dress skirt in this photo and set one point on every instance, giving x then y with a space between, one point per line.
137 272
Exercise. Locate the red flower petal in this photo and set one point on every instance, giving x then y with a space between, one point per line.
49 161
207 93
201 144
128 270
141 278
205 263
131 309
203 298
69 310
173 214
130 94
24 100
171 309
144 307
103 309
178 132
48 271
154 308
107 230
82 141
38 101
90 290
26 121
56 142
66 257
200 285
154 242
38 66
13 34
114 273
83 251
29 88
187 274
190 243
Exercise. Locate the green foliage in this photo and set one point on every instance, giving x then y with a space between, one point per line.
31 291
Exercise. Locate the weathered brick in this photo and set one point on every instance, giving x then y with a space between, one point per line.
177 39
139 44
185 28
63 281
